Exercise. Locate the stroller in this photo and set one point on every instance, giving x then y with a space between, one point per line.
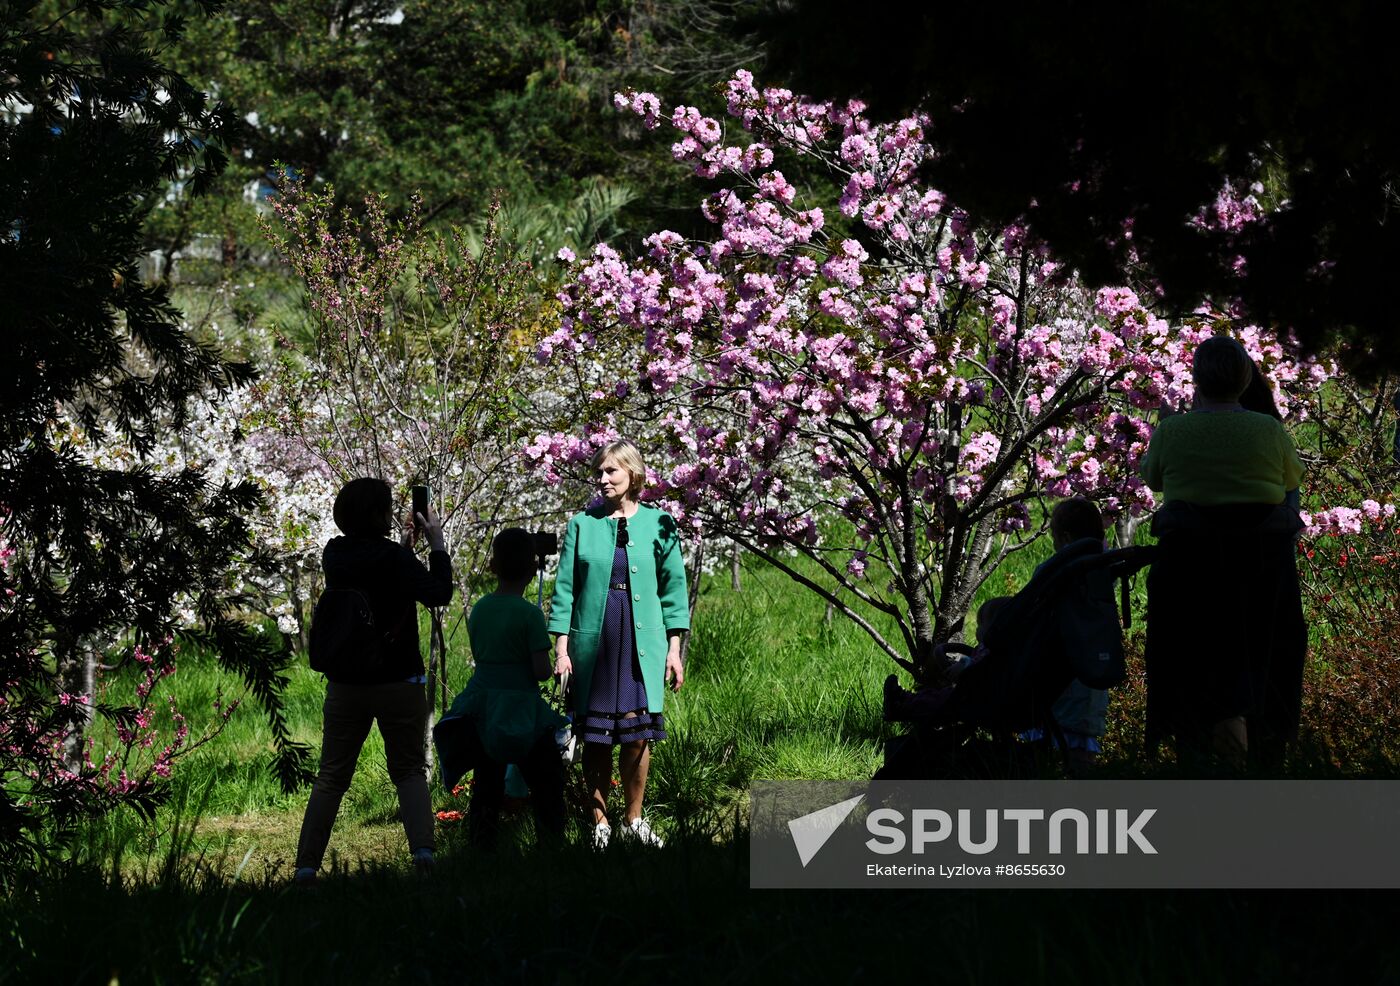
1063 625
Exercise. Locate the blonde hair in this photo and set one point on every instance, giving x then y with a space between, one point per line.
629 457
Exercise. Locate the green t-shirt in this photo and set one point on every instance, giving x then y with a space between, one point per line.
506 630
503 698
1213 458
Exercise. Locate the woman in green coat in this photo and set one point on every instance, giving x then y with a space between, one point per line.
619 609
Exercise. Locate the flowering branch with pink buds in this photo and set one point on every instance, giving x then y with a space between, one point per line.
887 388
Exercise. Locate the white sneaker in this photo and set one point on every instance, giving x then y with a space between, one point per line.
601 834
641 831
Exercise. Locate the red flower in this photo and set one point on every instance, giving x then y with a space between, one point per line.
449 816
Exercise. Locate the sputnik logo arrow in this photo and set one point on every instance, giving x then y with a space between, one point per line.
811 832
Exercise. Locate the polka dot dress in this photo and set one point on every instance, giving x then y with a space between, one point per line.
617 703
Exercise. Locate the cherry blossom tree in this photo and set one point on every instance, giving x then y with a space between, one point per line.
418 370
887 362
885 387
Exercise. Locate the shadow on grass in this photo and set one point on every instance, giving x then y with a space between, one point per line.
683 913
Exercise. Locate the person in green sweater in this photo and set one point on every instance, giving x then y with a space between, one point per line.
1223 656
1219 453
509 720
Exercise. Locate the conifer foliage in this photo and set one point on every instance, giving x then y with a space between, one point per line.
97 559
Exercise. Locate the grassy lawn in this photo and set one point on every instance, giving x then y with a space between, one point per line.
773 691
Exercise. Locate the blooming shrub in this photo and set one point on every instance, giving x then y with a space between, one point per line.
418 370
888 361
54 772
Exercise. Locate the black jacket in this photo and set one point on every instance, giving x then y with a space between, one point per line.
392 579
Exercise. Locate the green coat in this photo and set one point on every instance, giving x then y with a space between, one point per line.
659 599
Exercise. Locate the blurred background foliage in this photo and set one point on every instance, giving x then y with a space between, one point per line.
455 101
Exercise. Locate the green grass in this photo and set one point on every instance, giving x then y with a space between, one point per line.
773 691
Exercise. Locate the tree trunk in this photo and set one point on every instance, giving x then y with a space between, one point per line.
959 585
443 682
1124 528
693 591
437 671
735 580
78 676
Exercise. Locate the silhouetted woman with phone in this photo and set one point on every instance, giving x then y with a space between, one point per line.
392 693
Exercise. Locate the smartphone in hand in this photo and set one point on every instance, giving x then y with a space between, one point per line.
420 503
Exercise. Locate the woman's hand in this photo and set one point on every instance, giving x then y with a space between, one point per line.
562 662
431 525
675 671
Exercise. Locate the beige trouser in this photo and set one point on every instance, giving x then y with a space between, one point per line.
401 710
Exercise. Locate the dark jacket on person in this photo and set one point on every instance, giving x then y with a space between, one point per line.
392 579
1226 635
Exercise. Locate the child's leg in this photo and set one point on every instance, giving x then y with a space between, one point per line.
484 813
902 705
1083 752
597 772
1081 713
928 702
545 774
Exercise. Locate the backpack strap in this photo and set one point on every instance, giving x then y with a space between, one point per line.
389 636
392 636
